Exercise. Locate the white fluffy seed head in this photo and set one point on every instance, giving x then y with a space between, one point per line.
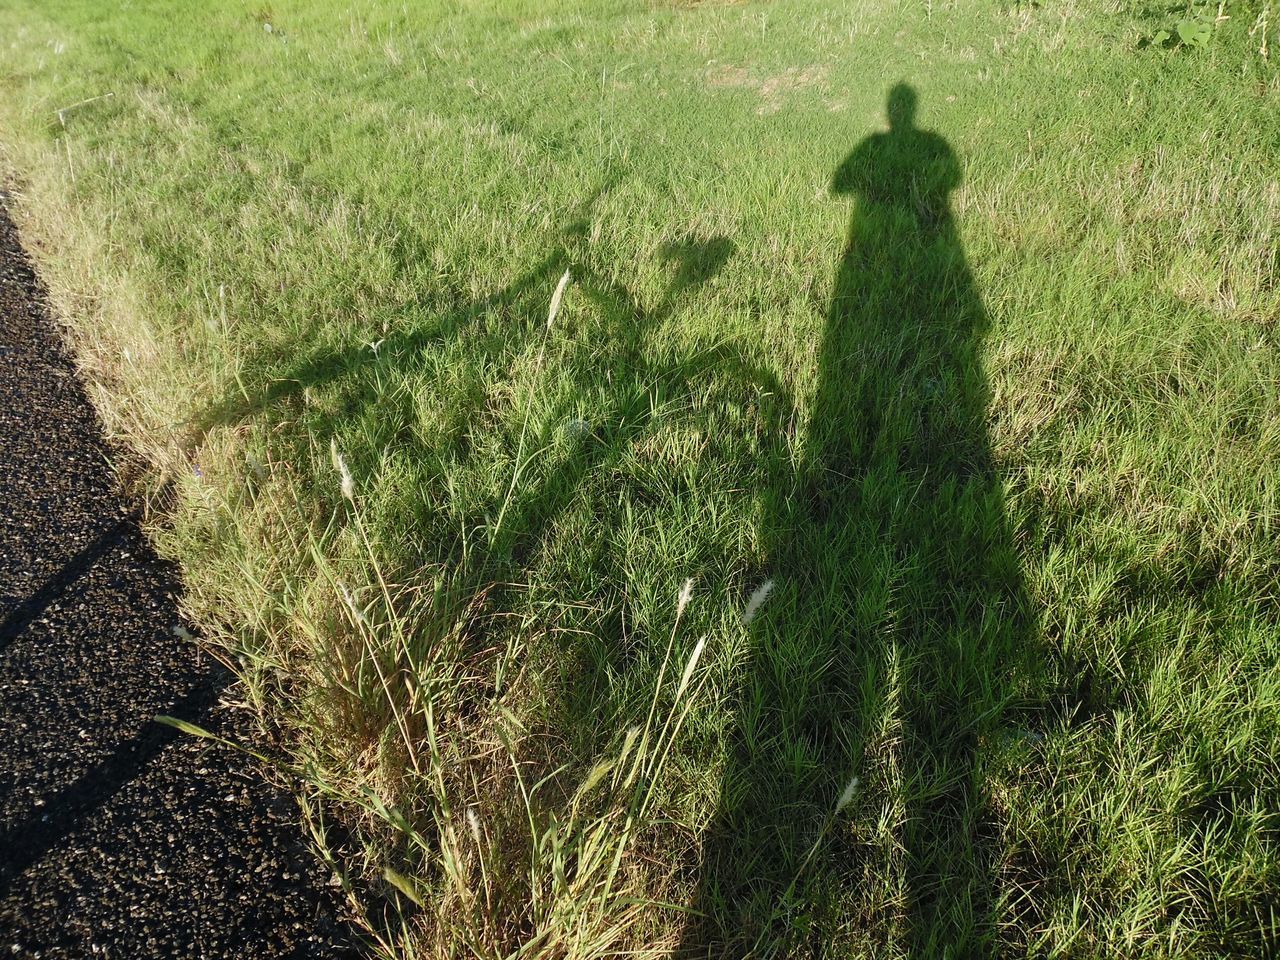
756 601
556 298
346 484
350 600
850 789
686 594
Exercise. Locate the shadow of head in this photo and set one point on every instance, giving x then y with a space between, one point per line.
696 259
901 106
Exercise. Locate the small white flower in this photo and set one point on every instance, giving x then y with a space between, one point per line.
473 821
757 601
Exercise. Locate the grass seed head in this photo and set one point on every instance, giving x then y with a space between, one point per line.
850 789
350 600
556 298
756 601
347 484
686 594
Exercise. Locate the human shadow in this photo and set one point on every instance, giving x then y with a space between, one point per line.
896 644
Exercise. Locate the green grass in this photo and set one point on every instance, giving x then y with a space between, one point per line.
991 398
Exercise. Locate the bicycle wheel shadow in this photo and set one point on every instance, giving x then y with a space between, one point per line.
639 375
897 646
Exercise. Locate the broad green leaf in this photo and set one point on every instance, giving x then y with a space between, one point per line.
1194 33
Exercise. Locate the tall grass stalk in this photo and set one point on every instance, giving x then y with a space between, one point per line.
518 467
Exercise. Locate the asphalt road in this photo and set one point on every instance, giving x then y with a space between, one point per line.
119 838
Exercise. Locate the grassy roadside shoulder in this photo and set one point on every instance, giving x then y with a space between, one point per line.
309 254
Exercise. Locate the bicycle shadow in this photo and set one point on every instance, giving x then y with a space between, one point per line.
626 353
276 382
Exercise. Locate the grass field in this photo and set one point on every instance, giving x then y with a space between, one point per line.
935 344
